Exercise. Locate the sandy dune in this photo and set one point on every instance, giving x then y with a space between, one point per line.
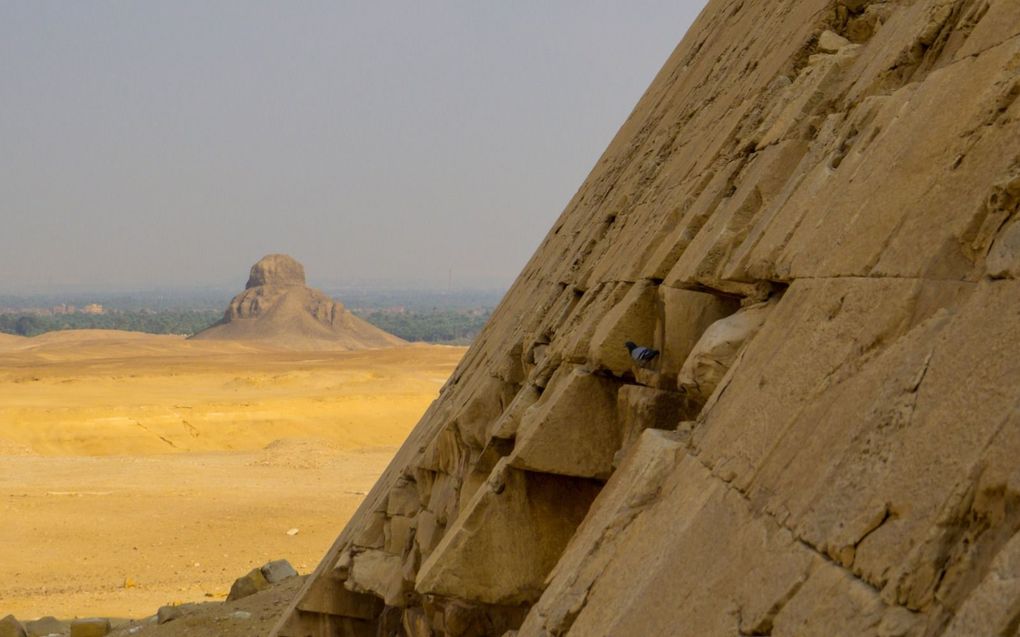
178 465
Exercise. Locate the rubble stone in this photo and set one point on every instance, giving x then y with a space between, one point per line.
247 585
91 627
11 627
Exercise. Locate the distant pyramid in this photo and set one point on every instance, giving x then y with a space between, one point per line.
277 307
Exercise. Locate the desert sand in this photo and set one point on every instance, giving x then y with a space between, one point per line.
137 470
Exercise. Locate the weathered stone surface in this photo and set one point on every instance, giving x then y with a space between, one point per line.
844 461
11 627
717 350
991 608
428 533
276 269
168 614
632 319
415 623
829 42
572 430
327 595
250 584
633 488
372 535
379 573
399 532
508 538
277 571
640 408
45 626
1004 259
91 627
403 499
685 317
510 420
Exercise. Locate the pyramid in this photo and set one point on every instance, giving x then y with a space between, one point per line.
278 308
814 215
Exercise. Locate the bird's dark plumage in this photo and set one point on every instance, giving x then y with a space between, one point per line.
641 355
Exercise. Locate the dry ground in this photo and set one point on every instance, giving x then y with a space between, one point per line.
139 470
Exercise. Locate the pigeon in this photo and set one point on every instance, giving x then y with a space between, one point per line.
641 355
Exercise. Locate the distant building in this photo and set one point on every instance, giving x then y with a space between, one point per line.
93 308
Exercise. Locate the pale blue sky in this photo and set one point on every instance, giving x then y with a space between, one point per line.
149 144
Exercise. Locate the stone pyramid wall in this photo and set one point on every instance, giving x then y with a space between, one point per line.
812 213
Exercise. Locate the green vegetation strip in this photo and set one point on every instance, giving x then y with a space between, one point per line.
458 326
185 322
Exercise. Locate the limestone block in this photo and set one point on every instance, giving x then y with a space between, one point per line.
416 623
446 452
445 498
713 252
398 534
461 619
510 367
572 430
90 627
832 603
933 194
537 353
342 566
632 488
653 379
802 98
250 584
641 408
998 25
380 573
542 375
685 317
44 626
479 413
717 350
506 425
632 319
829 42
328 595
428 532
656 551
371 534
991 608
403 498
1004 258
497 449
11 627
504 544
277 571
411 563
874 426
573 344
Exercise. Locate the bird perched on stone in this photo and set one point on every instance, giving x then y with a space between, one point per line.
641 355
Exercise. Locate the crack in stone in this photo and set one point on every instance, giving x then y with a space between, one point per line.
803 542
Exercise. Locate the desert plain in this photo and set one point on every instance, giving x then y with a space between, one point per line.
140 470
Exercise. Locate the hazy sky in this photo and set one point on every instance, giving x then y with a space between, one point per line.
148 144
